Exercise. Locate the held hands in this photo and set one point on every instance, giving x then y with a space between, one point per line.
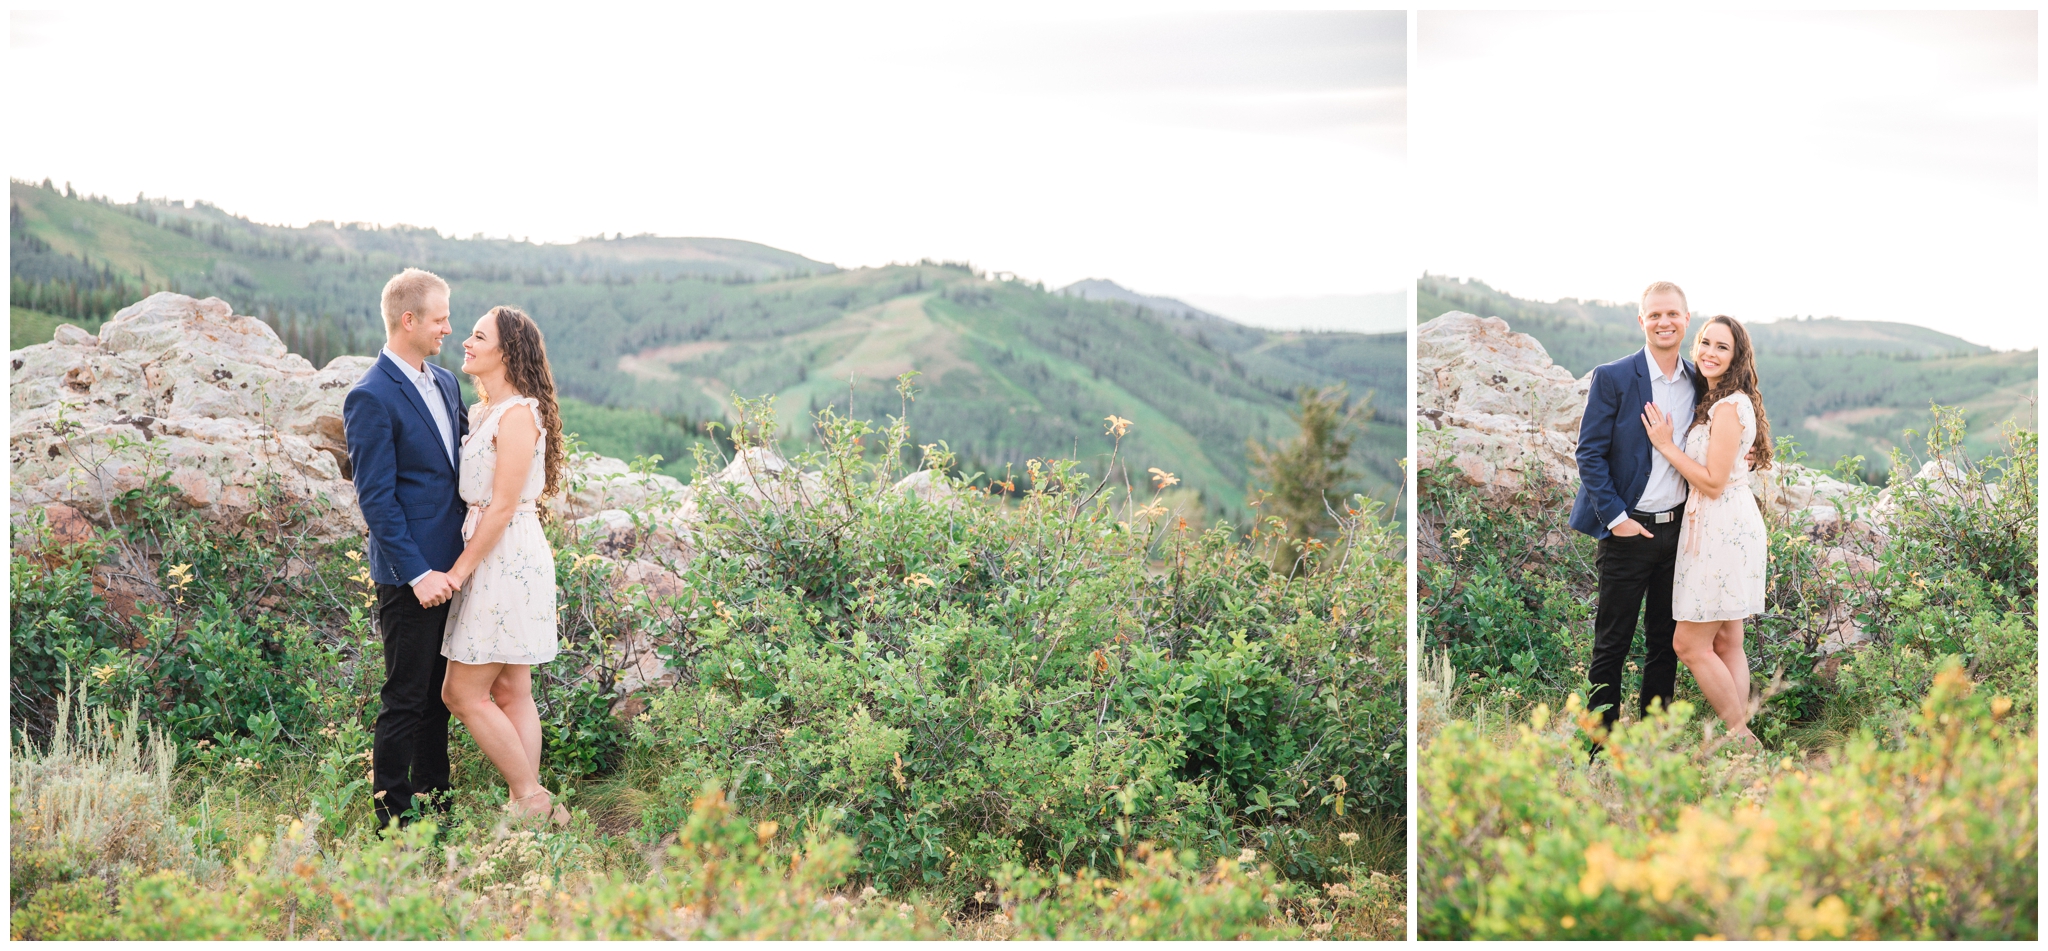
436 587
1658 424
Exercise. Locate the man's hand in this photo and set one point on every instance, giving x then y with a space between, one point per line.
1630 527
435 588
1749 459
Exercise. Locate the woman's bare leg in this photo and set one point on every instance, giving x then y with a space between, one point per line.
1693 642
467 692
1728 647
512 692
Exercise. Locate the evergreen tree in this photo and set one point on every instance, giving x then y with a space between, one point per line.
1305 475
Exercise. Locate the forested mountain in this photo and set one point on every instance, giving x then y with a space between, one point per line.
1839 387
651 336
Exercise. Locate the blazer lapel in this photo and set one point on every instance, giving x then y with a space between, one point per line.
1641 393
419 404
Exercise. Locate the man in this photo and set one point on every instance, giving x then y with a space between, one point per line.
1631 499
405 423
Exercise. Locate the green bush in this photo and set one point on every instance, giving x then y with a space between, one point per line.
978 684
1933 837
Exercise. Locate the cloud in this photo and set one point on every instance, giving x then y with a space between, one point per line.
1864 165
1241 153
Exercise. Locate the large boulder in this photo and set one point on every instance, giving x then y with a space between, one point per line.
1787 490
599 483
1490 402
929 487
757 478
185 388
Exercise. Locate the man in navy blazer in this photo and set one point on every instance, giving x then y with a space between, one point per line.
1631 499
405 425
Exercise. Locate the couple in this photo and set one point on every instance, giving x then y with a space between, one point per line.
465 578
1665 451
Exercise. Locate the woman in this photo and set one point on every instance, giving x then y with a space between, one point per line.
1722 545
502 621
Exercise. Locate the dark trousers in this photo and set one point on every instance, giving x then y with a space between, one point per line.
410 757
1635 579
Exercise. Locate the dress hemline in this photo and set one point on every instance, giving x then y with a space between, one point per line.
501 659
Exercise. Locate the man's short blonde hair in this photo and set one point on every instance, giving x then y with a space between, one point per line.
409 292
1657 288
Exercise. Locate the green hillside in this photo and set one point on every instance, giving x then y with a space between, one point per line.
1838 387
651 336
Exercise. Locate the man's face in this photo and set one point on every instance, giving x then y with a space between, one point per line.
1664 318
428 327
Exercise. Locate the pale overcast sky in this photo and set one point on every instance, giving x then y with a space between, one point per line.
1866 165
1245 154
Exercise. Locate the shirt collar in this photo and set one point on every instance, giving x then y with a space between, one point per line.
1677 369
420 374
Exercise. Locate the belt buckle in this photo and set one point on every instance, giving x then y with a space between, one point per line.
1662 517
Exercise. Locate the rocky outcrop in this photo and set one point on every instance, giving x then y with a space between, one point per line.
187 389
1491 403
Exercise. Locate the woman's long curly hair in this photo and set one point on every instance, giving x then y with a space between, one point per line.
1740 377
526 365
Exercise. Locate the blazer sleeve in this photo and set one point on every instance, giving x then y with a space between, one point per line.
1596 437
373 455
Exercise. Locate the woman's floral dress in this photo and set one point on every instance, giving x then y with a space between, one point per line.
1722 545
505 614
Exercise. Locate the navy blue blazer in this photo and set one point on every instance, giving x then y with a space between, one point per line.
1614 450
405 484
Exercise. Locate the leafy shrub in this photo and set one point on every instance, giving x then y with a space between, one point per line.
976 685
1505 587
1668 839
1163 895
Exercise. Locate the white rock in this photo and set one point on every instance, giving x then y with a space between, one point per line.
1788 490
1490 402
189 390
757 476
598 483
927 486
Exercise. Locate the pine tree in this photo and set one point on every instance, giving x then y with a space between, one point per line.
1305 475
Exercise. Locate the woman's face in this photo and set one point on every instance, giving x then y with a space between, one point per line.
1714 350
480 353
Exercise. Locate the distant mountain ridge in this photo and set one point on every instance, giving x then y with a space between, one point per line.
1344 313
1096 288
1839 387
650 336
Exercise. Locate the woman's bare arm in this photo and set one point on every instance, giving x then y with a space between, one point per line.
516 436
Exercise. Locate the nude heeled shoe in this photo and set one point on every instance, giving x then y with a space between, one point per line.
558 815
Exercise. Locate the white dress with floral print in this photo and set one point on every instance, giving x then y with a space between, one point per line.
505 613
1722 544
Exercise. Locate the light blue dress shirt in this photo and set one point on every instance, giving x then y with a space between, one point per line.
1673 394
